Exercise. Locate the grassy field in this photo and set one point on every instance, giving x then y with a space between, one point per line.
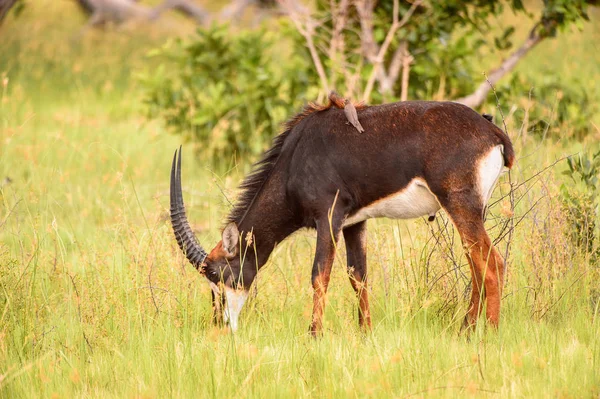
97 301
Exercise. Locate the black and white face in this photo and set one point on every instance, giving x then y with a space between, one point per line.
230 272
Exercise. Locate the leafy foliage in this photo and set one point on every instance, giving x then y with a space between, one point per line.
228 92
560 109
442 38
558 14
583 207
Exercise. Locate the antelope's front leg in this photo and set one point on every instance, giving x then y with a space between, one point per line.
356 252
327 239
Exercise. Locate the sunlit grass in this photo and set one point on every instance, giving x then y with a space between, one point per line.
96 300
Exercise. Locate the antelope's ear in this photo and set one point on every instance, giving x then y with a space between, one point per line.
231 237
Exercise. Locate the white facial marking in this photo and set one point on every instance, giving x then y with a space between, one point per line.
489 168
215 289
413 201
235 302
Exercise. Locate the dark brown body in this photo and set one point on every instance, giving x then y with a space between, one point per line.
438 142
321 172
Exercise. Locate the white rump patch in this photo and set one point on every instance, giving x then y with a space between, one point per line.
490 168
413 201
233 307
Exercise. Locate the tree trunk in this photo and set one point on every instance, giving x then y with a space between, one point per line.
103 11
407 59
185 7
5 6
386 84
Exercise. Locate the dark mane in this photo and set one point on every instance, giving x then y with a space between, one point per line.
255 181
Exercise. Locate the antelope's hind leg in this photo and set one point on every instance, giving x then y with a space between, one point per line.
356 252
487 266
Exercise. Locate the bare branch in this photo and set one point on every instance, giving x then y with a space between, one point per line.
306 25
186 7
353 79
337 43
407 59
339 18
378 61
235 9
409 13
103 11
478 97
386 85
367 38
315 56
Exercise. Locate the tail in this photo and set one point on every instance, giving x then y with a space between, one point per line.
509 152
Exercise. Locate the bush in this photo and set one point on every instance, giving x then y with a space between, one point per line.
583 207
559 110
228 91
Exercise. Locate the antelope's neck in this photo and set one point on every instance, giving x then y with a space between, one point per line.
270 219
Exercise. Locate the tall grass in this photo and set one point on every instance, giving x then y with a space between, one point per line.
96 300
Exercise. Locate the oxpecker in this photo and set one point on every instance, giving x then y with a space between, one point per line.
352 116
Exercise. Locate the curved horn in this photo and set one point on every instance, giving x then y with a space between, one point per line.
183 232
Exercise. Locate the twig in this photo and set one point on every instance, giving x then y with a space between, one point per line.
562 295
339 16
407 59
296 13
378 61
151 244
9 213
478 97
87 341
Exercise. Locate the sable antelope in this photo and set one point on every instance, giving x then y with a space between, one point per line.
413 159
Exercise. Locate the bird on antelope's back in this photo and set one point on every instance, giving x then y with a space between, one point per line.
352 115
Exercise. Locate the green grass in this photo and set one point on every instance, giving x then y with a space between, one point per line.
96 300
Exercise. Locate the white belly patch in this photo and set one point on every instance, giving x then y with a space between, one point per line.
413 201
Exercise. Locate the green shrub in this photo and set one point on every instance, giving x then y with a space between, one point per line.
558 109
583 207
228 91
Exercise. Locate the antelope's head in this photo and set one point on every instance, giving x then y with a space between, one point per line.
225 267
